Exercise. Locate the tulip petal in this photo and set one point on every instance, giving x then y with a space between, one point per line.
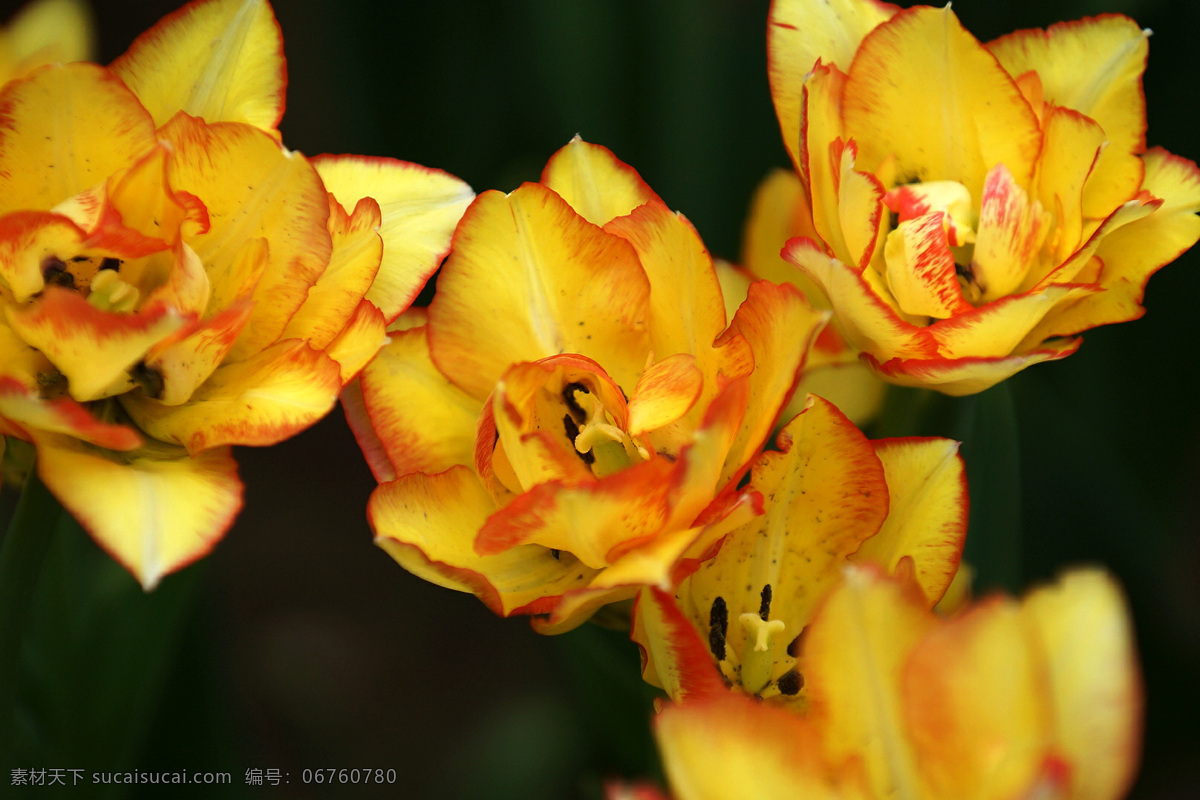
921 272
852 654
927 515
49 32
253 189
364 335
673 657
594 182
665 392
1081 624
154 511
867 321
27 239
23 407
977 705
799 33
419 208
1002 325
220 60
962 376
823 140
529 278
186 363
925 90
259 401
1073 142
428 524
63 130
1095 67
1008 237
94 349
778 211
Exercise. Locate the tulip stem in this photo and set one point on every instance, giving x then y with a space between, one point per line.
22 553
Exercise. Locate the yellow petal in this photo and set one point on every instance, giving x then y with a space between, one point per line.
49 32
221 61
419 208
66 129
365 335
353 263
921 270
23 407
1072 144
1008 237
801 31
852 387
673 656
428 524
962 376
186 363
852 656
927 515
153 511
778 211
923 89
664 393
94 349
530 278
425 423
732 748
868 321
823 142
598 185
260 401
997 328
253 189
1082 626
27 239
977 705
1093 66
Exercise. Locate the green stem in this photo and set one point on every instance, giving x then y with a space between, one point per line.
21 556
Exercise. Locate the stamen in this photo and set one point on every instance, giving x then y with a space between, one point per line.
758 660
573 406
110 293
790 683
764 603
111 263
718 625
572 431
54 271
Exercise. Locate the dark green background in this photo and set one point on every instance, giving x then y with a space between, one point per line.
309 648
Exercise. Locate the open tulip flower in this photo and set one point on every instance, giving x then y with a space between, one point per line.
173 281
831 497
969 209
571 420
1033 699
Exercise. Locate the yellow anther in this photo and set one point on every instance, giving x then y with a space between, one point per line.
110 293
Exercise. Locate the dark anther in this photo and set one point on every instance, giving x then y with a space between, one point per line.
150 379
111 263
556 553
54 270
764 603
893 221
718 623
572 430
573 406
793 648
790 683
51 384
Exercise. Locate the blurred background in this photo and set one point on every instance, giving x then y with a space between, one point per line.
308 648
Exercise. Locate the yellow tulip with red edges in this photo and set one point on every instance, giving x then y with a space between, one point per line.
173 281
571 419
1033 699
969 209
831 498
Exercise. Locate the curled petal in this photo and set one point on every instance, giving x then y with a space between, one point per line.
961 376
598 185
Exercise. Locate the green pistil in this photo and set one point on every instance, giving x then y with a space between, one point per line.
758 656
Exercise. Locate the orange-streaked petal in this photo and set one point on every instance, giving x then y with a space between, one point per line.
1072 144
977 705
925 90
22 406
927 515
851 655
260 401
529 278
419 208
1095 67
664 393
27 239
962 376
63 130
801 31
94 349
673 657
353 263
253 189
867 321
597 184
823 140
733 748
424 422
154 511
1008 237
1001 326
1082 626
186 363
428 524
364 336
221 60
780 327
920 268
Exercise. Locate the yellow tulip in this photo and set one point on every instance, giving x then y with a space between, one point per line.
1038 698
173 281
968 210
570 421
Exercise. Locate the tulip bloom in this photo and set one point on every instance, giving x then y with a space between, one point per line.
831 497
570 421
173 281
970 209
1038 698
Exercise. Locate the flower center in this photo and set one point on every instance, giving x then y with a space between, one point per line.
95 277
599 442
753 664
